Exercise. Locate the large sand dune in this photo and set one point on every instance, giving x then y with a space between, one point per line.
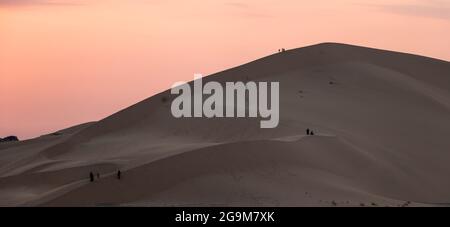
382 138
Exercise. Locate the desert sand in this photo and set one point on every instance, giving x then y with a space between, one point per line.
382 124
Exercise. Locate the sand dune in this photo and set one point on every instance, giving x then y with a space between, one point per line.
382 139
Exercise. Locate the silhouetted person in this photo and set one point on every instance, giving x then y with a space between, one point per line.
312 133
307 131
118 174
91 176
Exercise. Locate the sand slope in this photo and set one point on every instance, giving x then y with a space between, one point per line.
382 137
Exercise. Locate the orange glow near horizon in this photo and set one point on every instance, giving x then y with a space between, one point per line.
68 62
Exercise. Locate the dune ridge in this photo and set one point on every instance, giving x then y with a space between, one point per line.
381 119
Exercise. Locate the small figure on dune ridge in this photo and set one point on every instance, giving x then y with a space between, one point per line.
119 174
91 176
307 131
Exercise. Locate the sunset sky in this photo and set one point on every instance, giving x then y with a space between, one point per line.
68 62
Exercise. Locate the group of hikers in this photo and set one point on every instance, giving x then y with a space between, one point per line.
92 177
309 132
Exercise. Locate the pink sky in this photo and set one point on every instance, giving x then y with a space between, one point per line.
67 62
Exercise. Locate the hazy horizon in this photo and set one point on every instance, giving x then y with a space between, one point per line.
64 63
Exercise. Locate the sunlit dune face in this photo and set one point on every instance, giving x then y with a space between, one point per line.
69 62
